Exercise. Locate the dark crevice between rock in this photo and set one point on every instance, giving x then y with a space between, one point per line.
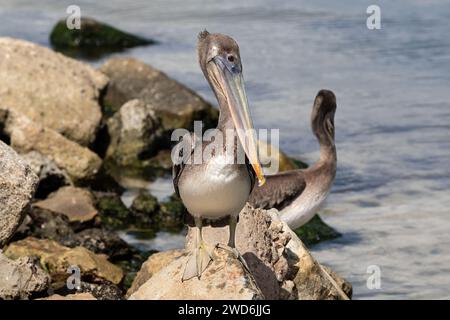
3 135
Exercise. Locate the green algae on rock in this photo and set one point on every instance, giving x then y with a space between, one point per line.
93 39
316 231
113 213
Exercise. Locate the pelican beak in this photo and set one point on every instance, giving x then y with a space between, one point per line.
229 76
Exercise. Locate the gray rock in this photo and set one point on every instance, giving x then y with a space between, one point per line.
224 279
151 266
281 265
17 186
262 242
51 178
134 132
57 259
77 204
45 224
51 89
101 241
176 105
80 163
101 291
21 278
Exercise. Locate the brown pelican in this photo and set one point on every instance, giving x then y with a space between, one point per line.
299 193
217 187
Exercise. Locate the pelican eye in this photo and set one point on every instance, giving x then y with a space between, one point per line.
230 58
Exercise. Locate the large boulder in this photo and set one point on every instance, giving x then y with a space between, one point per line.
80 163
57 259
51 89
280 263
92 39
225 279
21 278
76 203
153 265
176 105
135 135
17 186
262 242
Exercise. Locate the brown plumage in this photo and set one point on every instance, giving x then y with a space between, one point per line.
219 185
298 193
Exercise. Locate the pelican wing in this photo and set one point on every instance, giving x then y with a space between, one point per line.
279 190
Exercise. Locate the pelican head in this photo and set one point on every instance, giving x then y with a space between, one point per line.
322 117
220 62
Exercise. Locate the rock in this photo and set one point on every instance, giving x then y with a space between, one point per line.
145 208
281 265
101 241
17 186
312 280
21 278
271 156
76 296
171 214
93 39
76 203
137 174
176 105
145 213
51 89
264 254
113 212
57 259
225 279
153 265
135 133
299 163
51 178
80 163
100 291
46 224
132 265
341 282
316 231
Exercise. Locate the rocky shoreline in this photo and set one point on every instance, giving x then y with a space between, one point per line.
72 139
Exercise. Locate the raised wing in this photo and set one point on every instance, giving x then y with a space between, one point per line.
279 190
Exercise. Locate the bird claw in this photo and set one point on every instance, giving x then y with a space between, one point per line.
198 261
235 253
